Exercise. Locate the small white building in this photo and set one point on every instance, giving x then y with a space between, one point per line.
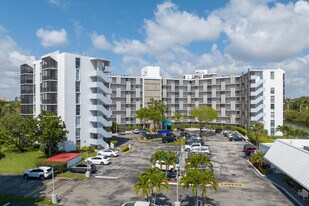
291 157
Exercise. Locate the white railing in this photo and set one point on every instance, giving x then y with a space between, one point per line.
101 97
101 120
99 142
101 132
258 116
257 100
101 75
101 86
258 108
257 83
257 92
101 109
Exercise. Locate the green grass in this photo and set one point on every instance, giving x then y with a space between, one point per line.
18 162
72 175
16 199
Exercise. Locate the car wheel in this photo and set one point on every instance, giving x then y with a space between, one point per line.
112 155
25 177
101 163
41 177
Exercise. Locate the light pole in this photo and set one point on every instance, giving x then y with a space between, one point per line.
54 195
177 203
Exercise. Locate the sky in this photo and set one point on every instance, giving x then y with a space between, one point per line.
180 36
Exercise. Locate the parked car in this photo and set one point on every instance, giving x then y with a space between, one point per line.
236 137
171 176
136 131
170 167
40 172
170 137
201 150
83 168
108 153
138 203
218 131
250 150
99 160
192 146
121 132
248 146
143 131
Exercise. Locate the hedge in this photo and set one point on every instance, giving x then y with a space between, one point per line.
57 166
115 142
124 148
87 149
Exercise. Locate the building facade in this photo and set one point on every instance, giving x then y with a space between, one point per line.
256 95
72 86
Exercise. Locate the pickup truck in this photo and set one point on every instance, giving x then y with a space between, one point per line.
201 150
192 146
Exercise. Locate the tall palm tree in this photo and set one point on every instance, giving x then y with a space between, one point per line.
208 178
143 185
158 156
196 160
258 129
170 159
159 182
191 181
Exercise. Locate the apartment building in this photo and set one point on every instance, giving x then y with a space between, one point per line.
256 95
72 86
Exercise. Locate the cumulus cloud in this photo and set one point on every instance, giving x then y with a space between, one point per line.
130 47
11 57
99 41
51 38
256 31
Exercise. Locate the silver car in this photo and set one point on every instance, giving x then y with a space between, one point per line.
40 172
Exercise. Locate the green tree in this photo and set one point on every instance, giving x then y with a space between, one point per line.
170 160
20 130
51 131
207 178
157 111
152 181
177 116
204 115
196 160
158 156
257 130
3 141
144 115
114 127
257 159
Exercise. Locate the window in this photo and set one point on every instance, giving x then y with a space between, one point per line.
272 123
272 75
272 131
272 114
272 90
77 98
272 99
77 109
77 121
77 66
272 106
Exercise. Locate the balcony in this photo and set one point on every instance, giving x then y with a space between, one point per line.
101 86
100 142
100 75
101 109
101 120
101 97
101 132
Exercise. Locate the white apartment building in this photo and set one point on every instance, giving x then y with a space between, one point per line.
72 86
256 95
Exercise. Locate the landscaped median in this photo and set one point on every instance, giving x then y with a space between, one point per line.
4 199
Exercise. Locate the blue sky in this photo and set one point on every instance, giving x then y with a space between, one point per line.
226 37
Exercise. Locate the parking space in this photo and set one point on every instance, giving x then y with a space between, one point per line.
238 183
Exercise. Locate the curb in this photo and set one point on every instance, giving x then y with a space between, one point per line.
106 177
254 168
131 150
140 140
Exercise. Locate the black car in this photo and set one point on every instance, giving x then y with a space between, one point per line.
218 131
236 137
246 146
83 168
169 137
171 176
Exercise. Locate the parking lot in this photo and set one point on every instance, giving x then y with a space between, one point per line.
239 184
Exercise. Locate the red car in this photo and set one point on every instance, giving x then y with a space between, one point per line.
250 150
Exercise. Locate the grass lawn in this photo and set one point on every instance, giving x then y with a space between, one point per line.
18 162
16 199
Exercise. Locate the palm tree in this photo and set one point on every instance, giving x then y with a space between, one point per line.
158 156
177 116
208 178
159 182
258 158
170 159
191 180
257 128
142 185
196 160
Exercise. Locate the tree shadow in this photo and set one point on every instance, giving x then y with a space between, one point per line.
121 140
163 200
190 201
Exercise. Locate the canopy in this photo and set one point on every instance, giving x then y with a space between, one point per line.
167 123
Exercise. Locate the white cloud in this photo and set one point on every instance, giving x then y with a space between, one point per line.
11 57
256 31
51 38
60 3
172 27
99 41
129 47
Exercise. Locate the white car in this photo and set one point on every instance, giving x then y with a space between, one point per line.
136 131
201 150
138 203
170 167
108 153
193 146
40 172
99 160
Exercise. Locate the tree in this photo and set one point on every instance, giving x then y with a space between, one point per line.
258 159
114 127
208 178
51 131
257 130
170 159
204 115
152 181
196 160
3 141
178 116
158 156
157 111
144 115
19 130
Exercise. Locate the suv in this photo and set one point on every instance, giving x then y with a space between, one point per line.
136 131
193 146
170 137
40 172
83 168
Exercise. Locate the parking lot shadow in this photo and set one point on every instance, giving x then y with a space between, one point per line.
16 185
121 140
163 200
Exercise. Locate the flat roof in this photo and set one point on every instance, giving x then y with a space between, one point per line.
65 157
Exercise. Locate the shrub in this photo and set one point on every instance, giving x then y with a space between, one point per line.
115 142
124 148
87 149
57 166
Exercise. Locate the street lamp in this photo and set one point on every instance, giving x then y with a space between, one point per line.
54 195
